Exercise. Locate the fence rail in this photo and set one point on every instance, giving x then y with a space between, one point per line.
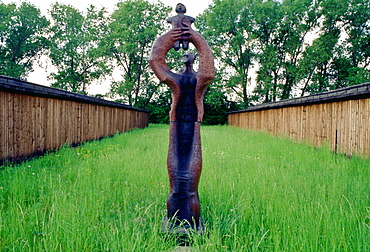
340 118
35 119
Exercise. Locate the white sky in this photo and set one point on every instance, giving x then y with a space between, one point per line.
39 76
194 7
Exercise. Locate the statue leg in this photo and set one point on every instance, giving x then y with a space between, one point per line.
184 169
176 45
185 45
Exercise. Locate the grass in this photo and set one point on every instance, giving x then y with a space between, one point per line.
258 193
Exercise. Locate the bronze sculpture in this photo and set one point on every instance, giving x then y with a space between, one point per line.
178 21
184 160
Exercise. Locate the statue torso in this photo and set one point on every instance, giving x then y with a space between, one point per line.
186 110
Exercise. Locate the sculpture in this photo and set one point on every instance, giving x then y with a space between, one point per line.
184 161
181 21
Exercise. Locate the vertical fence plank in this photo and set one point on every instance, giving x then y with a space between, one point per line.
11 127
363 137
18 126
2 124
4 127
35 117
366 120
327 122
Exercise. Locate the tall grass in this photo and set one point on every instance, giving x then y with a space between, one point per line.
258 193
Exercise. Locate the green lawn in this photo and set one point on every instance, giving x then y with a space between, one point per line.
258 193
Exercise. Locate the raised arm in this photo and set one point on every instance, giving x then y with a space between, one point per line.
157 61
206 71
157 58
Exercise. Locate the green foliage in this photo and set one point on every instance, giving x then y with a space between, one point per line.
347 74
22 38
282 44
317 62
134 27
160 107
266 17
357 19
226 26
297 46
217 104
75 50
334 64
257 192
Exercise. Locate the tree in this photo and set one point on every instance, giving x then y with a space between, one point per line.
266 17
217 104
134 27
283 42
227 28
22 38
339 57
75 50
271 33
355 68
296 45
317 62
160 106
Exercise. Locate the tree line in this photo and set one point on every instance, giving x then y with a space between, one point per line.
296 47
265 50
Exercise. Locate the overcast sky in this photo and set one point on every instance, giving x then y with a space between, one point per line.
39 76
194 7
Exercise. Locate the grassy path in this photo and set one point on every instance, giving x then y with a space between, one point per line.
258 193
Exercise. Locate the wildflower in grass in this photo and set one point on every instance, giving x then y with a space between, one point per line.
1 188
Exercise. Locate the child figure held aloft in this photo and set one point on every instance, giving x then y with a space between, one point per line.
181 21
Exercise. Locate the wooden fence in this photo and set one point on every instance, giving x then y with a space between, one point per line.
35 119
340 118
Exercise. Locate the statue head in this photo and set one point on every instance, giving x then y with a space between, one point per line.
180 8
188 57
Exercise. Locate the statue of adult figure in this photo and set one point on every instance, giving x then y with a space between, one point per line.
184 160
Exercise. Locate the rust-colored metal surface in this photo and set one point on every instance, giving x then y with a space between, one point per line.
181 21
184 161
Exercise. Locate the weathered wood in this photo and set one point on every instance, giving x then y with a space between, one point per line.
35 119
340 119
